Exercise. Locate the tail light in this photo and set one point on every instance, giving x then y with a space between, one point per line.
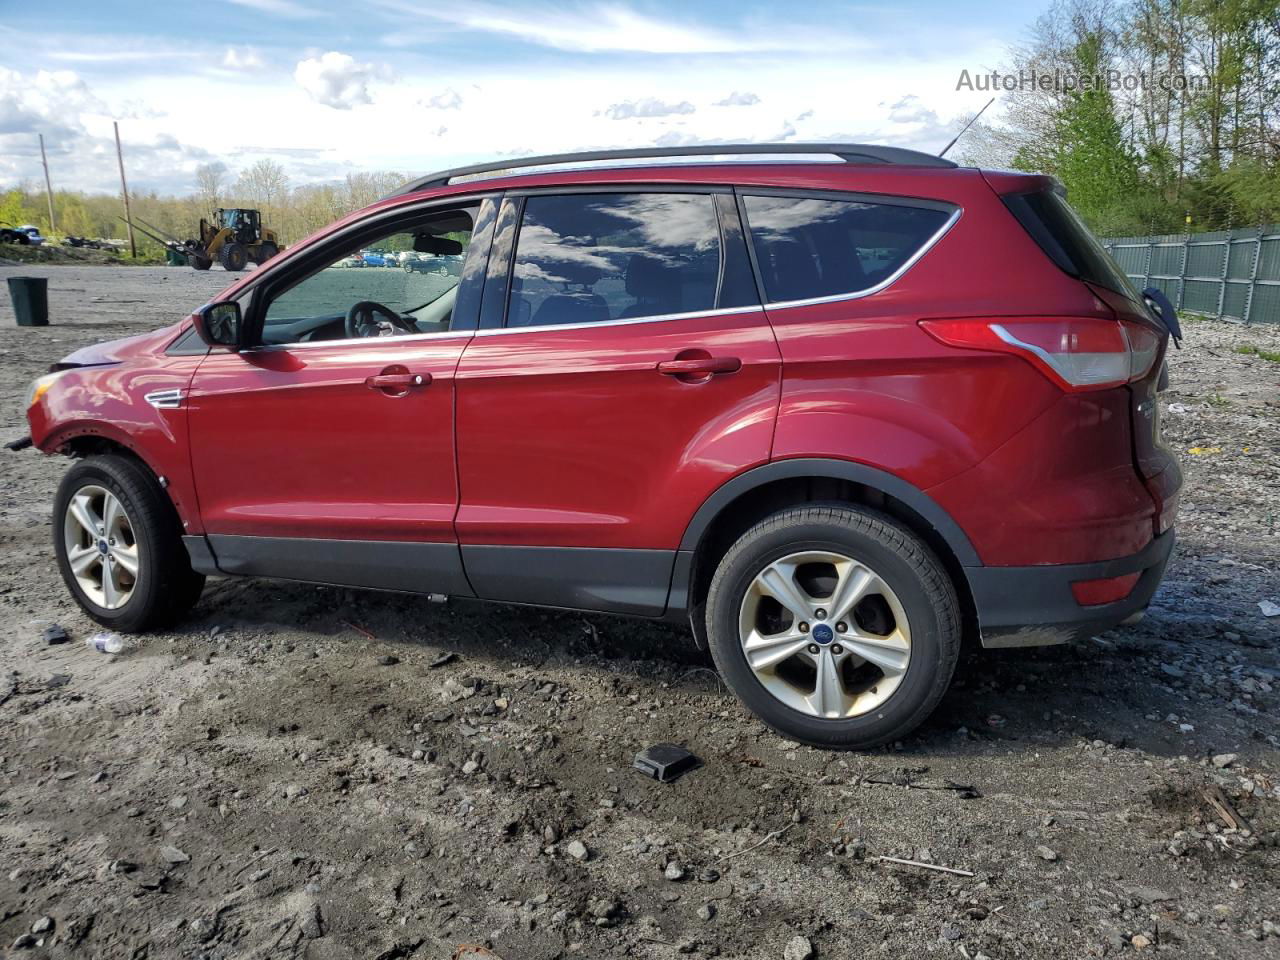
1077 353
1094 593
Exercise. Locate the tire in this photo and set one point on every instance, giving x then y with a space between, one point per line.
408 268
233 256
199 263
266 251
906 570
165 586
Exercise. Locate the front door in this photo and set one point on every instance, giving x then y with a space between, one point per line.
326 454
635 373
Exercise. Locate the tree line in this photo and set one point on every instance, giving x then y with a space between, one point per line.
1182 135
292 211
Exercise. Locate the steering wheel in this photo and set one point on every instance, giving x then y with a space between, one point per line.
362 320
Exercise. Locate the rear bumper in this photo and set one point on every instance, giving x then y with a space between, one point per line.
1034 606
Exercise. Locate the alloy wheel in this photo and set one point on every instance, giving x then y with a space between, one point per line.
101 548
825 634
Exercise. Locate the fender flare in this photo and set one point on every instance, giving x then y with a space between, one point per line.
887 483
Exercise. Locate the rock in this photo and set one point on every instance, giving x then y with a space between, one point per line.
1140 942
798 948
173 855
388 660
1149 894
470 767
43 925
1269 608
673 872
24 942
55 634
417 755
550 834
313 923
687 946
950 932
706 911
1224 760
178 802
578 850
295 790
1170 670
1046 853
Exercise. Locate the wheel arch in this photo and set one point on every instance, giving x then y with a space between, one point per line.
742 501
93 440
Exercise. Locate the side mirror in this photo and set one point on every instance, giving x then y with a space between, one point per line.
218 324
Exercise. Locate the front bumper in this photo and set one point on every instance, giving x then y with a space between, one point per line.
1034 606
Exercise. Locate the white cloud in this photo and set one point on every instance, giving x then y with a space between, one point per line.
648 107
737 99
599 27
336 79
449 100
243 58
278 8
77 130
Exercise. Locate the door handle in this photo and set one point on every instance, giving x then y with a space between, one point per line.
397 384
700 367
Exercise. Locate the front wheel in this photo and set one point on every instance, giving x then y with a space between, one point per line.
119 546
835 625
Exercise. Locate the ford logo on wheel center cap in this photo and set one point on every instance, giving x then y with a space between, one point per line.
823 634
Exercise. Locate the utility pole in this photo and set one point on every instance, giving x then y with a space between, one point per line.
124 185
47 186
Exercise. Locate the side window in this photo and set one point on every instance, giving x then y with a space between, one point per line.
808 247
401 283
591 258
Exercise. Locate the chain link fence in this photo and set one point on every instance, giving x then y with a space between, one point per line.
1232 274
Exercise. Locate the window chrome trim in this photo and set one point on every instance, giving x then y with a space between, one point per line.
346 341
657 318
888 281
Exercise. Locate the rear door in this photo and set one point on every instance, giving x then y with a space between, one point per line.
632 372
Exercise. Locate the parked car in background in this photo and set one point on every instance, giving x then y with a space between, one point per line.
33 234
440 266
834 416
373 258
352 260
12 234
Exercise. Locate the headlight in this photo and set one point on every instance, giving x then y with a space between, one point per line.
40 386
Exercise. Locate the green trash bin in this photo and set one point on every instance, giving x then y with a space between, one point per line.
173 258
30 296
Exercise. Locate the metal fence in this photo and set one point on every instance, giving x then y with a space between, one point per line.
1234 274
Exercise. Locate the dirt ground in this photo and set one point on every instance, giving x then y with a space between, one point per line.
312 772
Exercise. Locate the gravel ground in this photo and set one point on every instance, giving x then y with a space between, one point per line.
324 773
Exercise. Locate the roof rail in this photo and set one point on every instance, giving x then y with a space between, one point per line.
848 152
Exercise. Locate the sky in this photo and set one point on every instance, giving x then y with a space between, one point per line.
326 88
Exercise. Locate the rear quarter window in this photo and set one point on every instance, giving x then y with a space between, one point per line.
812 248
1063 236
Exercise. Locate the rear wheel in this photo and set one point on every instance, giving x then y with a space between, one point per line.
119 547
835 625
233 256
266 251
199 262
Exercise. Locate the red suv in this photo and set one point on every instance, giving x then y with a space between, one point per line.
835 409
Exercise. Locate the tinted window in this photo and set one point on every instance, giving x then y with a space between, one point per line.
1061 233
590 258
808 247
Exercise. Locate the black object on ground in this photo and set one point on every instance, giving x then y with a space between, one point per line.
54 633
30 296
665 762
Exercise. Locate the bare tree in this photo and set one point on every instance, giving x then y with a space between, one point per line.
211 180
